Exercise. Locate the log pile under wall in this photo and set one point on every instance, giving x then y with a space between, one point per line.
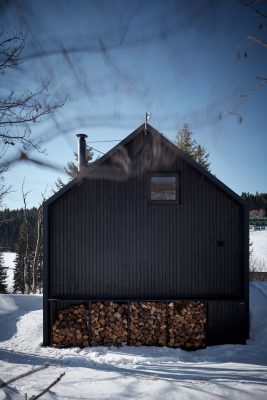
186 324
178 324
148 324
109 324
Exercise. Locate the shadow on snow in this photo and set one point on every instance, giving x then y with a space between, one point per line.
165 371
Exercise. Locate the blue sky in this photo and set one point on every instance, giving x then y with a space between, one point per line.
176 59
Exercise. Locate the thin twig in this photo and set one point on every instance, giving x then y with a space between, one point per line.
258 41
32 371
48 387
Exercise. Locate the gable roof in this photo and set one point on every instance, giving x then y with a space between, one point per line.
171 146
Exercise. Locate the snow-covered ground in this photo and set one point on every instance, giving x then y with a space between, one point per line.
220 372
223 372
259 240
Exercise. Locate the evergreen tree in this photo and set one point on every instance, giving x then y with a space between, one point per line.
59 184
191 147
201 157
10 221
40 272
24 259
18 279
3 275
72 167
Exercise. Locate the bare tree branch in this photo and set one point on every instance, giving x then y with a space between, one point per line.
32 371
252 5
49 387
243 97
3 191
258 41
18 111
22 156
10 50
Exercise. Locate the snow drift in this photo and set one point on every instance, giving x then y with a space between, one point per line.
7 304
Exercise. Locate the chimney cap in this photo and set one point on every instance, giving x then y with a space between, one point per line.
82 135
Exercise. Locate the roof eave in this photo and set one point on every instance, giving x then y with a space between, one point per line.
62 191
180 153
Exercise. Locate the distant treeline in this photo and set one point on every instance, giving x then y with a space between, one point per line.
10 227
256 201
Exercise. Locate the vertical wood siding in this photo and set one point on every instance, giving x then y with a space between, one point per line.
107 240
227 322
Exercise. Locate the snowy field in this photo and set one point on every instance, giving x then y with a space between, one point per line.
259 240
220 372
9 259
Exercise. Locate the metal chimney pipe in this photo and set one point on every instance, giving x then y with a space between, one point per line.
81 151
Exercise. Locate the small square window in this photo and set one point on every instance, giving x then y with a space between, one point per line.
163 188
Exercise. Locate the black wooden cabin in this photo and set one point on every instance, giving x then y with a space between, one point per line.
146 222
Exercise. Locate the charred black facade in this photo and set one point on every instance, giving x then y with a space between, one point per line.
106 239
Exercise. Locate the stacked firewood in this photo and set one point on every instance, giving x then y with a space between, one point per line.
109 323
72 328
186 324
175 324
148 324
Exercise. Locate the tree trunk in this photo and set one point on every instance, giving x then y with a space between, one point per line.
37 248
27 287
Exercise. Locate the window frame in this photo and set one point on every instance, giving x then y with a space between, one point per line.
177 175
